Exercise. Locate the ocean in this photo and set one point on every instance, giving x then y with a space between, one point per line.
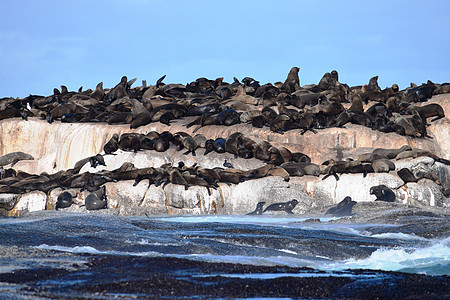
62 255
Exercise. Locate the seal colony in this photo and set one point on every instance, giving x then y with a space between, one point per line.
281 107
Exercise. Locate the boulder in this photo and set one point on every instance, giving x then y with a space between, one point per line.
29 202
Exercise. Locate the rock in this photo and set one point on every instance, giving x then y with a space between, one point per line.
59 146
195 200
331 191
29 202
8 201
123 195
154 201
423 193
244 196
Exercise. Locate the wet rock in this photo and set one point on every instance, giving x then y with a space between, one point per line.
244 196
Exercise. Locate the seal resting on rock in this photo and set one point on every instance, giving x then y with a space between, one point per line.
258 210
282 206
383 193
96 200
112 145
344 208
406 175
14 157
64 200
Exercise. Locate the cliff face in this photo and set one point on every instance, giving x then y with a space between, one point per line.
59 146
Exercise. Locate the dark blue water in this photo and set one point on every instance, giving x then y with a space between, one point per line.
65 242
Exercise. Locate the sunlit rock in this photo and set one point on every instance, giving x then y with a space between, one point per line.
122 195
29 202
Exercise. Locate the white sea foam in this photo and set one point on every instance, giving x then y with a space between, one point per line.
398 235
432 260
76 249
92 250
281 275
242 219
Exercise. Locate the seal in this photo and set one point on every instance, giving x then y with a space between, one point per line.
146 143
228 117
357 104
258 210
281 124
13 157
96 200
300 157
98 93
335 167
391 153
232 143
427 111
412 125
279 171
192 180
219 145
200 139
275 156
292 81
64 200
282 206
140 114
176 177
383 193
370 157
97 160
209 146
383 165
344 208
406 175
162 142
130 142
190 144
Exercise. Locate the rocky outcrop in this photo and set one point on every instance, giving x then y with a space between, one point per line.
59 146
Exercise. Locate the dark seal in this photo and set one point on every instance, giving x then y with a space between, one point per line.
282 206
258 210
64 200
383 193
344 208
96 200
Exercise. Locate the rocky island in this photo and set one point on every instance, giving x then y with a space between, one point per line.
212 147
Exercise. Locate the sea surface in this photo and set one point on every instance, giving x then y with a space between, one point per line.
60 255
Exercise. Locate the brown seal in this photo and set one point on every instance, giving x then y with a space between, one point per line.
292 81
112 145
383 165
391 153
428 110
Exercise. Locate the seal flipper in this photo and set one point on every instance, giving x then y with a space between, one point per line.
160 81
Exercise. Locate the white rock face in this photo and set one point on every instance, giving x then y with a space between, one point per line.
33 201
272 189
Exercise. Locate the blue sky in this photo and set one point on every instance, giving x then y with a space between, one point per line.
44 44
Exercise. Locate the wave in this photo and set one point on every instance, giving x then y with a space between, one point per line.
432 260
